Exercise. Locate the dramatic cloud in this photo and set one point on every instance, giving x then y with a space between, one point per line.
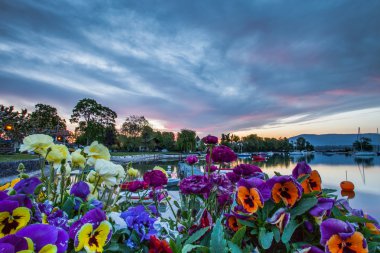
214 66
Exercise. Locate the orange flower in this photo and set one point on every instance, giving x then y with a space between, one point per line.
250 199
285 189
232 223
354 243
312 183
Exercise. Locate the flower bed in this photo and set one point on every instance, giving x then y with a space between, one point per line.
104 208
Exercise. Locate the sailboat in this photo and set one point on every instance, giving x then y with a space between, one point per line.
362 153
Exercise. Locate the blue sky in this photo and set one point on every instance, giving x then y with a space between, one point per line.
276 68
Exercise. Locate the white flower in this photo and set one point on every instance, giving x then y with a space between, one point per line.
109 172
119 222
96 151
57 154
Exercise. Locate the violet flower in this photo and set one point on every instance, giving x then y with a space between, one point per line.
192 159
311 249
224 188
27 185
13 243
94 217
43 234
339 234
280 218
233 177
285 189
246 170
209 139
258 183
322 208
80 190
139 220
196 184
155 178
301 169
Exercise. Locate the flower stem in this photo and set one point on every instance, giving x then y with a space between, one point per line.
50 181
96 184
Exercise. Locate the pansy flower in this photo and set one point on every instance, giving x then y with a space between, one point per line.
80 190
338 236
13 243
280 218
249 197
373 227
285 189
12 217
232 222
46 238
91 238
322 209
27 185
94 216
312 183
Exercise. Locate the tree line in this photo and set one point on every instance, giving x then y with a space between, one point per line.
96 122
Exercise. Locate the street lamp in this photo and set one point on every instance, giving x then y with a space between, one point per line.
8 127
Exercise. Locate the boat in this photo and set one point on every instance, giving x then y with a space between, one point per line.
296 153
259 158
244 155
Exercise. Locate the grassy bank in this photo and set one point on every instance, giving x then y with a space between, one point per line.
16 157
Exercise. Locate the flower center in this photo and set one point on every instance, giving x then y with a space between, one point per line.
284 192
10 224
346 247
93 240
249 200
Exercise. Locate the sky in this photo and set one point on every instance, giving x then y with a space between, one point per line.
274 68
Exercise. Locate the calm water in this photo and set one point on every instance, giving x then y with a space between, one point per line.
364 173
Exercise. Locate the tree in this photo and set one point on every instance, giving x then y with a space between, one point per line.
134 125
186 140
168 140
147 137
93 119
363 144
45 119
14 125
300 143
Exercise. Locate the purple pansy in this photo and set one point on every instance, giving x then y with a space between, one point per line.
311 249
246 170
80 190
322 208
43 234
94 216
27 185
301 169
233 177
280 218
13 243
192 159
257 183
139 220
331 227
224 188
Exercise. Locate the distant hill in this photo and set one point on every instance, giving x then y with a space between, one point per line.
335 139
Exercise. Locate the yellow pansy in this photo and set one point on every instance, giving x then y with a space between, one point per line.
96 151
58 153
38 143
10 223
77 159
92 240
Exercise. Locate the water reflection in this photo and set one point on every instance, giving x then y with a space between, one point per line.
363 172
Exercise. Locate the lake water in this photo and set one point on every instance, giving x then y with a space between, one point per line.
364 173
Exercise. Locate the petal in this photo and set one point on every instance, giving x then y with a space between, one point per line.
48 248
7 248
8 205
357 243
19 243
22 216
83 236
333 245
331 227
62 240
40 234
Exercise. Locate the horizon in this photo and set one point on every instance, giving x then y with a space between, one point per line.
213 67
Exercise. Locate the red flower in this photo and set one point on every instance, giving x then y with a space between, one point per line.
158 246
155 178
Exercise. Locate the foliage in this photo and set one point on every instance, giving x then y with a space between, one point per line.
94 120
363 144
45 119
18 120
186 140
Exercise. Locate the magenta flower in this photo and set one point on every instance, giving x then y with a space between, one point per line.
155 178
246 170
27 186
233 177
222 154
224 188
192 159
80 190
196 184
209 139
135 186
211 168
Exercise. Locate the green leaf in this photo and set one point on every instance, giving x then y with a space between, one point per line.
288 231
355 219
328 191
304 205
265 238
265 211
277 173
218 244
175 202
174 247
190 247
276 234
336 212
68 206
303 178
195 237
246 223
234 248
238 236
